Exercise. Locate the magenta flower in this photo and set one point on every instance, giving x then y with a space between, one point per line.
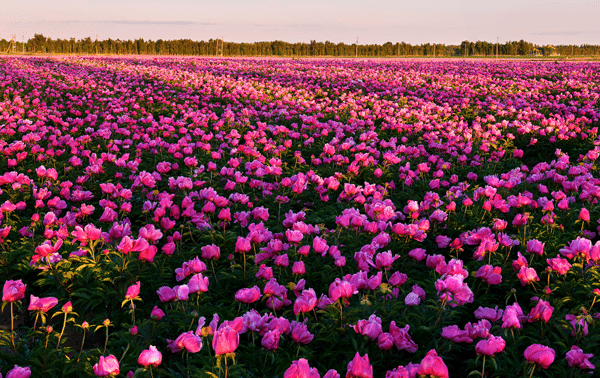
540 355
107 366
306 302
370 328
535 246
270 340
402 339
188 341
542 311
359 367
198 284
248 295
301 369
150 356
559 265
157 313
225 340
13 291
527 275
513 316
433 366
341 289
300 333
41 304
19 372
211 252
490 346
166 294
133 291
579 247
576 358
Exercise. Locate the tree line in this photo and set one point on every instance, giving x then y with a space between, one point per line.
215 47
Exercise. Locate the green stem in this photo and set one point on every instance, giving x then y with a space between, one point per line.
12 327
81 349
62 331
532 369
105 341
483 368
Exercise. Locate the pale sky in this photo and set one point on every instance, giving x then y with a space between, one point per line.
380 21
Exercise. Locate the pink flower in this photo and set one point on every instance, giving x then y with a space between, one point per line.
397 279
165 294
490 274
540 355
417 254
211 252
527 275
270 340
584 215
520 262
188 341
402 339
305 302
579 247
385 341
157 313
456 334
198 284
412 299
301 369
579 324
490 346
150 356
248 295
19 372
512 316
341 289
360 367
300 333
13 291
133 291
433 366
535 246
371 328
182 292
294 236
542 311
225 340
242 245
298 267
491 314
107 366
576 357
41 304
559 265
385 260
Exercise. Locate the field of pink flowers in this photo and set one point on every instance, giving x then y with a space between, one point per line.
166 217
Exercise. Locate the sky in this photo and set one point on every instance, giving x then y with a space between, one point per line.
380 21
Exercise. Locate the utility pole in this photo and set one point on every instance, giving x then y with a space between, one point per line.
356 53
23 37
434 50
496 48
96 44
